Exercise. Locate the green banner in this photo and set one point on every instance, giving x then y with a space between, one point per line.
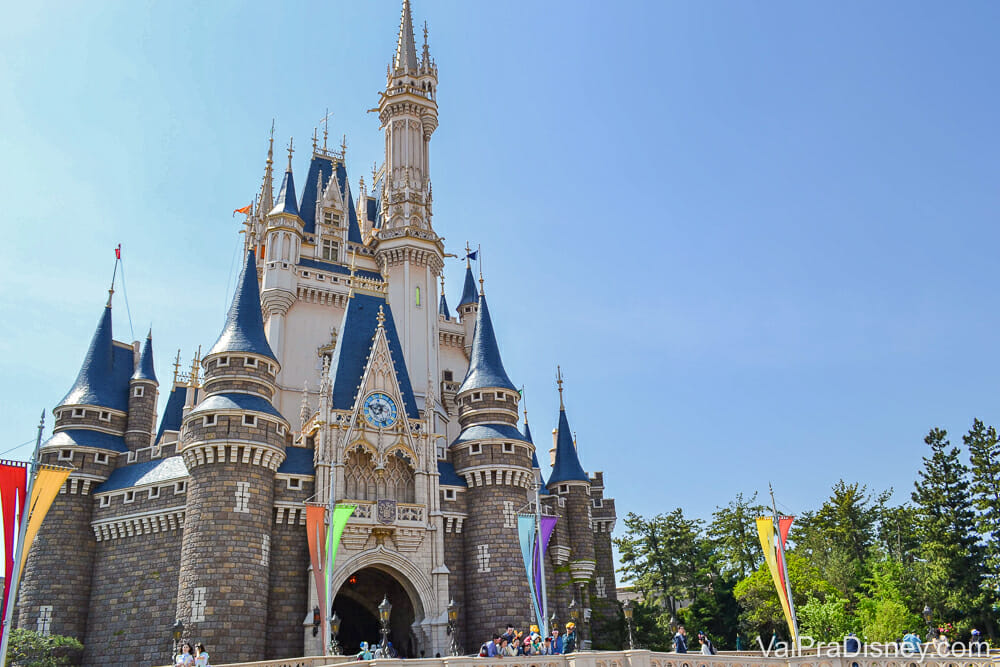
341 513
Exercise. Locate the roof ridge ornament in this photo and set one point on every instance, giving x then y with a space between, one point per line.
291 150
380 318
559 381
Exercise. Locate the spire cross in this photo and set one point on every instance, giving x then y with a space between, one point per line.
559 381
291 150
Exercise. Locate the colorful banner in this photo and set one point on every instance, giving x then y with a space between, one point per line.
48 481
13 482
341 513
776 562
526 536
548 525
315 534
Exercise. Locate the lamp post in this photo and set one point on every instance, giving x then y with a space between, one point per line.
384 610
629 610
928 615
178 632
673 624
334 630
453 628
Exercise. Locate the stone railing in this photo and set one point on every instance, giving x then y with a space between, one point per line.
640 658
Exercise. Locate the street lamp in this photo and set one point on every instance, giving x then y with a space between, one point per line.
574 613
928 615
334 630
178 631
629 610
384 610
673 623
453 627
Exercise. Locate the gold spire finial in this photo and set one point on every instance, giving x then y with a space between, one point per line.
177 366
291 150
343 146
479 252
374 173
442 283
195 365
559 381
380 317
270 146
326 126
468 250
315 138
524 404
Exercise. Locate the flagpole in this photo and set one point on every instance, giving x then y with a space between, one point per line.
19 552
543 626
788 585
328 576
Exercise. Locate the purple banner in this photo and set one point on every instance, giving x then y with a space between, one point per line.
548 525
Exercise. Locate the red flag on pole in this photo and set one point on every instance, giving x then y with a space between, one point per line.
13 483
118 251
244 210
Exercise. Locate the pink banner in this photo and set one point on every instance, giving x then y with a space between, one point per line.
548 525
784 525
13 483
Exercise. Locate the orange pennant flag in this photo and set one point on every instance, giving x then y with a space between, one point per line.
245 209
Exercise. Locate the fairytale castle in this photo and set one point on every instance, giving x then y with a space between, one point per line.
340 365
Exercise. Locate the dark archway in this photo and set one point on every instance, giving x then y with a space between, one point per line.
357 604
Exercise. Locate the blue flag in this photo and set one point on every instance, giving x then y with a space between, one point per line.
472 255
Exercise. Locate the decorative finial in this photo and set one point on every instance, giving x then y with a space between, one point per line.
559 381
468 251
442 283
479 252
326 126
374 173
195 365
291 150
524 404
270 146
380 317
315 139
177 366
343 146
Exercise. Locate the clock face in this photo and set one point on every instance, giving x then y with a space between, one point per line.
380 410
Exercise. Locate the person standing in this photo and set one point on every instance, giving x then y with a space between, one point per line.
707 648
200 655
680 640
569 643
557 642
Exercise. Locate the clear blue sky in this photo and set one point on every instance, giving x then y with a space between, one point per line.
759 237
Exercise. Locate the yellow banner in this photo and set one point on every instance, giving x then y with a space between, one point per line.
46 488
769 542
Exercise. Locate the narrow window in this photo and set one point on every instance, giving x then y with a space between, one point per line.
501 396
477 396
180 487
294 483
79 412
129 496
251 362
476 448
208 420
448 376
223 361
65 454
508 448
105 501
449 494
598 502
564 488
105 416
249 420
331 250
154 492
100 458
138 391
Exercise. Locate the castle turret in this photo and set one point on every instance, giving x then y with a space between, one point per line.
408 251
572 485
89 435
142 395
282 242
495 460
232 443
468 305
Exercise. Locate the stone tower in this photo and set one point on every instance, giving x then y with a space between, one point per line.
89 435
495 460
408 251
571 485
142 395
232 444
282 241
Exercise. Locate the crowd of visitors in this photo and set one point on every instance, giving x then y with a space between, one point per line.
192 656
513 642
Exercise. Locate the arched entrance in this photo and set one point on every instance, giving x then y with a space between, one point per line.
357 604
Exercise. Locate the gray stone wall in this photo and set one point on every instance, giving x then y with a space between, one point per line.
237 376
117 421
604 622
231 427
454 560
222 592
288 599
141 415
133 600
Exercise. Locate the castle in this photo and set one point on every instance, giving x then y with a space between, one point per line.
340 364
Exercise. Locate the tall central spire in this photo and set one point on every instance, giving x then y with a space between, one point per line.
406 48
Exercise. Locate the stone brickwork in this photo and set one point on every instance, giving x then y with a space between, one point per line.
116 422
456 514
238 376
222 592
133 600
289 595
141 415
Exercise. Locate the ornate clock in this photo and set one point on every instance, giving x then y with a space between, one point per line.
380 410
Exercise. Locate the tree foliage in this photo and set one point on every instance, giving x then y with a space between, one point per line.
27 648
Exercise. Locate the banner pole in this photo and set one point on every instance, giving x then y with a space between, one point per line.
19 552
788 585
544 621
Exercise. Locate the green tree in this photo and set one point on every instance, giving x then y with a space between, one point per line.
898 533
825 621
984 457
664 557
31 649
949 545
733 536
885 620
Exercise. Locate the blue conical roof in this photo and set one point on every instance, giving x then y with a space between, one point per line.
534 454
443 308
485 366
244 329
567 467
469 290
286 196
144 369
101 380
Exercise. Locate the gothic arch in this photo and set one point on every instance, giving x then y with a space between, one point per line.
413 581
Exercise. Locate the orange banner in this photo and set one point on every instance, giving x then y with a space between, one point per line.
46 487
